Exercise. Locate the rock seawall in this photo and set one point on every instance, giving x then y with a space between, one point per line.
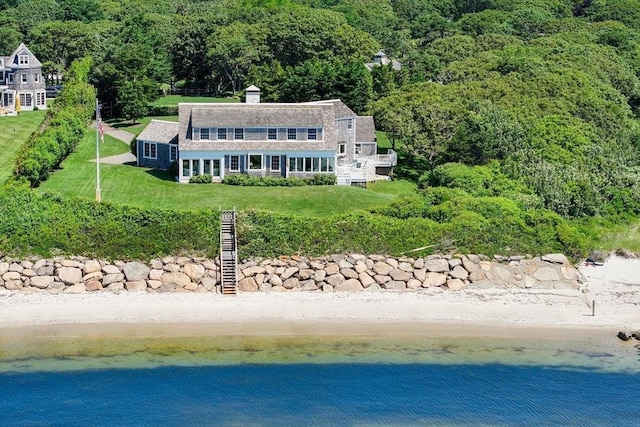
337 273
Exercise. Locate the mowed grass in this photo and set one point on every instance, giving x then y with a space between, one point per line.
136 128
14 132
146 188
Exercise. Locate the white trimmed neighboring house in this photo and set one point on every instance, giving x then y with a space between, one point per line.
267 139
21 80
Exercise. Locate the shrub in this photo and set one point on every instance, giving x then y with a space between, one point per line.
200 179
62 128
246 180
162 110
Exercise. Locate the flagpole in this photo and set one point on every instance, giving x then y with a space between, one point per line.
98 191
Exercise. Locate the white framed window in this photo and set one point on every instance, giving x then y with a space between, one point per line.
36 77
342 149
26 99
358 149
311 164
238 133
204 134
23 78
41 98
186 168
255 161
234 163
8 99
349 123
195 167
292 134
272 134
10 78
173 152
23 59
196 134
312 134
222 133
275 163
150 150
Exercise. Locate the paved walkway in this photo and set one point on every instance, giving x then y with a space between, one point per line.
121 135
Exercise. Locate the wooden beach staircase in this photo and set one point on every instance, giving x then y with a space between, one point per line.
228 252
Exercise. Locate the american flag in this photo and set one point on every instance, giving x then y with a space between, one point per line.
99 119
101 130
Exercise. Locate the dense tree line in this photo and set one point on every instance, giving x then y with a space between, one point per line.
547 92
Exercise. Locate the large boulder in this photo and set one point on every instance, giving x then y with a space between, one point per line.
332 269
434 279
135 271
177 280
395 285
366 280
349 273
136 286
194 271
70 275
42 282
437 265
459 272
248 284
382 268
400 275
351 285
252 271
455 284
92 266
555 258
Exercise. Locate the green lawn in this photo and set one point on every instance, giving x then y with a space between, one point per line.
14 132
142 187
175 99
140 123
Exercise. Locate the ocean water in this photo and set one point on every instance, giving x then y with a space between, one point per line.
317 381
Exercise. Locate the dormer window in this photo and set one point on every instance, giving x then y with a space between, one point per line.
204 134
23 59
292 134
273 133
222 133
238 133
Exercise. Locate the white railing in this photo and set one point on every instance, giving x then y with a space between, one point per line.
389 159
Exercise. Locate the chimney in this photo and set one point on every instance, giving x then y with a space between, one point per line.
252 95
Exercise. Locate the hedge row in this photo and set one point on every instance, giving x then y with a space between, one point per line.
48 224
272 181
63 128
162 110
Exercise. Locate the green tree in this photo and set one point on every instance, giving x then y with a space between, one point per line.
132 100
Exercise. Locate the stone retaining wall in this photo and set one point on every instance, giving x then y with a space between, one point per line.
352 272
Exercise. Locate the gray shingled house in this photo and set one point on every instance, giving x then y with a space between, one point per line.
266 139
21 79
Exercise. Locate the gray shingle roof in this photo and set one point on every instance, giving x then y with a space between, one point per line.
256 115
365 129
160 131
12 60
340 108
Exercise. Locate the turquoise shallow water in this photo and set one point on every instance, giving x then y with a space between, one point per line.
317 381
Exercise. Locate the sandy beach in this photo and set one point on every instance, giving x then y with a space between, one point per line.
615 288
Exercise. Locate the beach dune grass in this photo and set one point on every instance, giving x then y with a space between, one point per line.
148 188
14 132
